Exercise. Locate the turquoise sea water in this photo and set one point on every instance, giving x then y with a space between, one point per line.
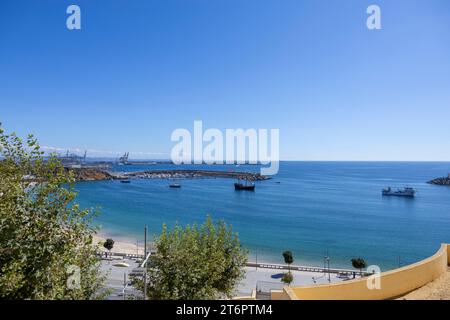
308 208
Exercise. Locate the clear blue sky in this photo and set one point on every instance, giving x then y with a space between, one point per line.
139 69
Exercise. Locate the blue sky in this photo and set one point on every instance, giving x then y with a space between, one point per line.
137 70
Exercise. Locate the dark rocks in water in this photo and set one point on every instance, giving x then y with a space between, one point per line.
445 181
90 174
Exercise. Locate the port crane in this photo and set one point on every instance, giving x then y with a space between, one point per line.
124 159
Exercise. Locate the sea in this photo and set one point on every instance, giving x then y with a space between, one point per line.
314 209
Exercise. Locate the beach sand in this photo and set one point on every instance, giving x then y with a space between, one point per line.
119 246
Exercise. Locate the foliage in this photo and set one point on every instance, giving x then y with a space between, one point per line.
44 236
358 263
195 262
288 257
287 278
108 244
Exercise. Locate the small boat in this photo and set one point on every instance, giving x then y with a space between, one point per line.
125 181
406 192
121 265
238 186
175 185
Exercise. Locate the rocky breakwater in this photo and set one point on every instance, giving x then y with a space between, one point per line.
193 174
444 181
94 174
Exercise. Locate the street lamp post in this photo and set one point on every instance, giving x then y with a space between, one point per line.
145 264
327 259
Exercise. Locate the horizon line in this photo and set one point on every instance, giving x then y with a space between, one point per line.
281 160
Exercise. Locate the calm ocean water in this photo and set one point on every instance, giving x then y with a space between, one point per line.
308 208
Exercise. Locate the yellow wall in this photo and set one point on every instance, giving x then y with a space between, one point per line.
448 254
393 283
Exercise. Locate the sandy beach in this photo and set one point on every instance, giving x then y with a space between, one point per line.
119 246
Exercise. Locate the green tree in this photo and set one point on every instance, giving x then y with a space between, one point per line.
359 263
108 244
288 258
45 239
287 278
195 262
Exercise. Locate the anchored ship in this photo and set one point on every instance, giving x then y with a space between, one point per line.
406 192
248 186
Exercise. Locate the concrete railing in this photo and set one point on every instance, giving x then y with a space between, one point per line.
307 269
386 285
252 296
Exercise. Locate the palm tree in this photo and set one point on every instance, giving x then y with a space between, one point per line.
359 263
109 244
288 258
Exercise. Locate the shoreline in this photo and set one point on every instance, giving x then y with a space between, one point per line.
120 246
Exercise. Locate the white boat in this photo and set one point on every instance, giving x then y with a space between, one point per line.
121 265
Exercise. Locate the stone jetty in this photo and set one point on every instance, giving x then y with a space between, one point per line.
192 174
90 174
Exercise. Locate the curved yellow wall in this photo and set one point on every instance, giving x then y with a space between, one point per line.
393 283
448 254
